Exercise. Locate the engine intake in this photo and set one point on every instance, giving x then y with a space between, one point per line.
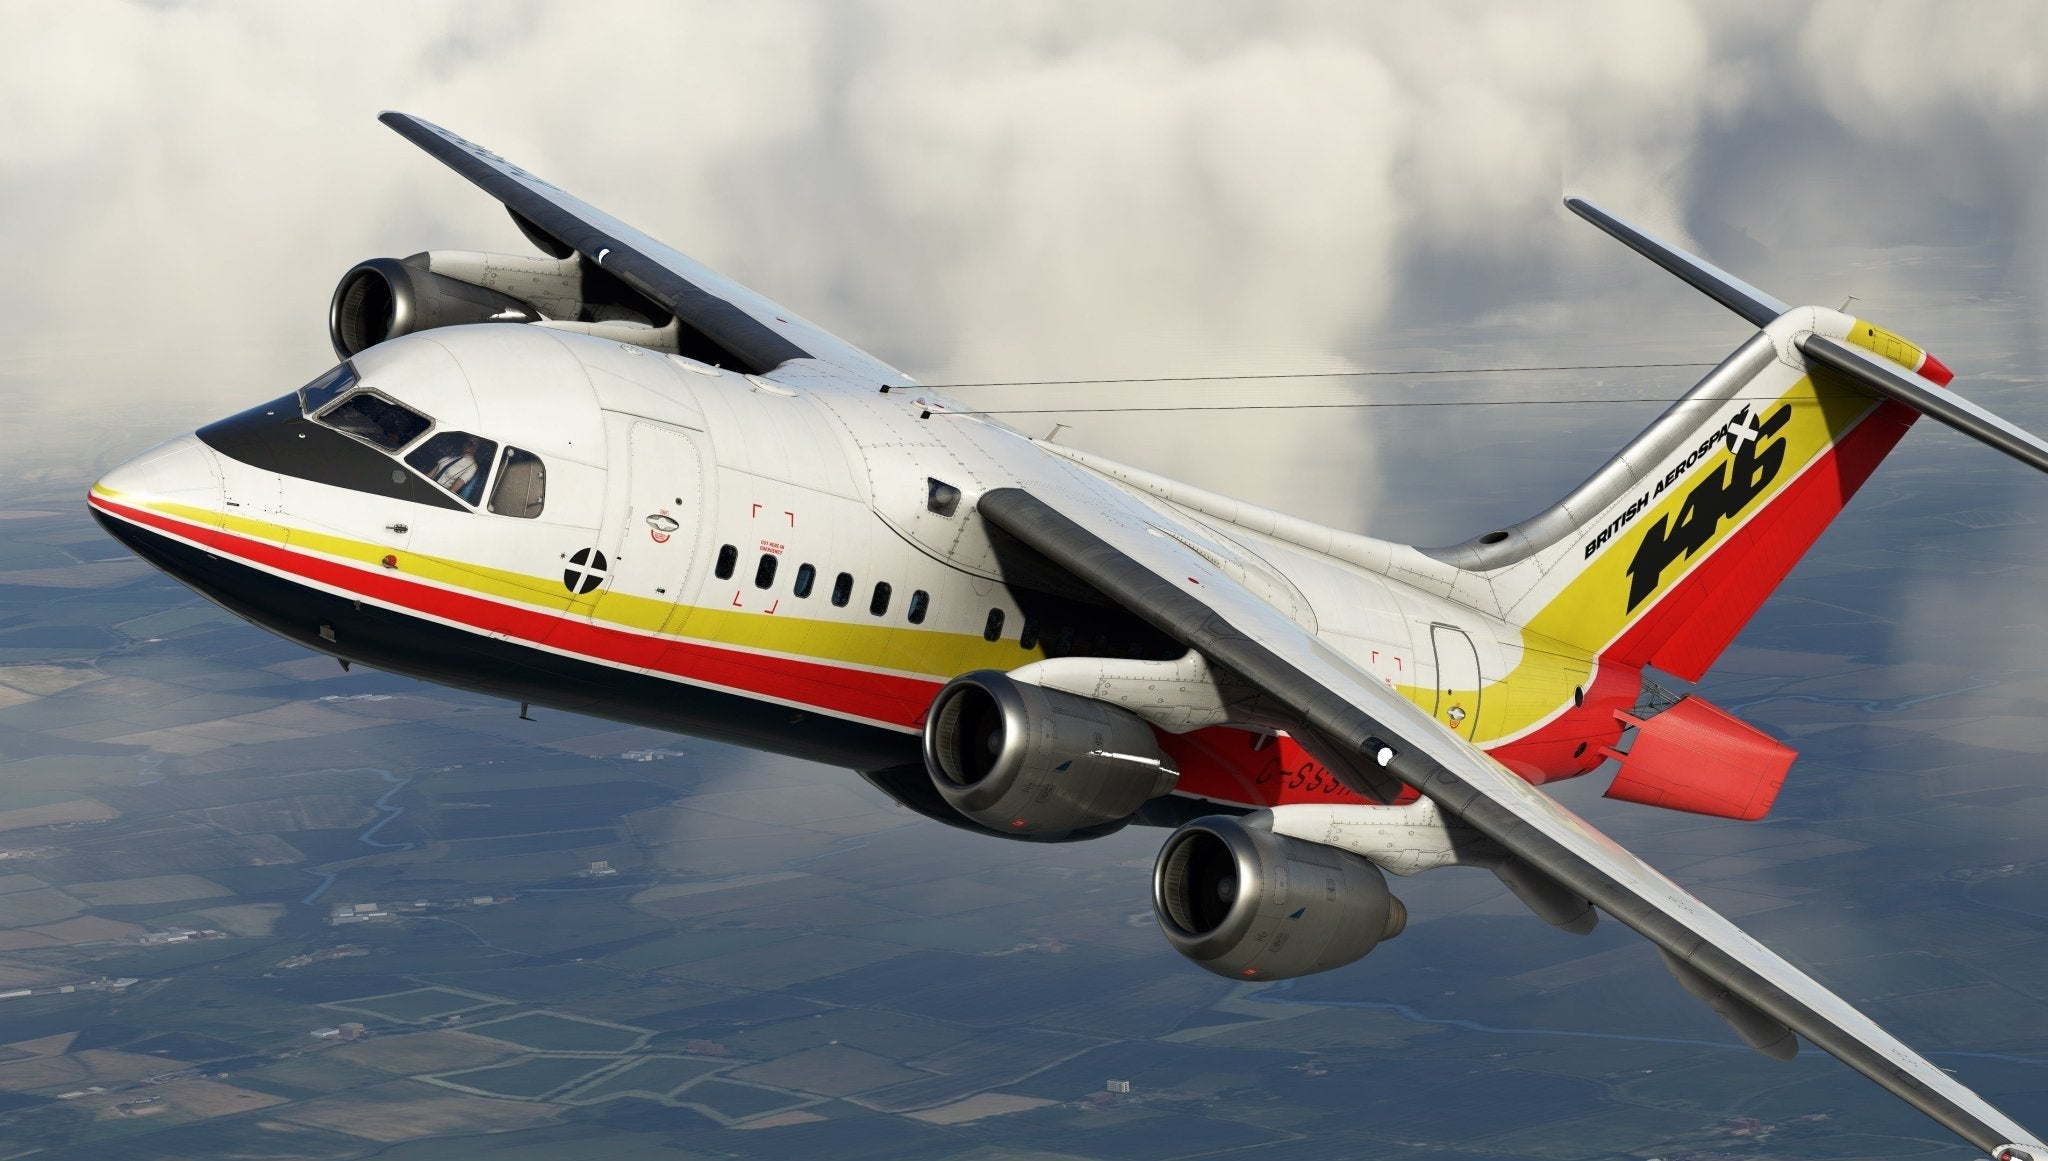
1249 904
384 298
1024 760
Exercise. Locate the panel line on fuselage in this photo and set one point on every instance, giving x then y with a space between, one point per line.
870 696
519 590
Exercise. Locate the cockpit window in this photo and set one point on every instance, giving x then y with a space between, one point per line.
326 389
522 485
456 460
370 416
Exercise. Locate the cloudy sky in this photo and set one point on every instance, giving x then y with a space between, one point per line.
1042 190
1070 189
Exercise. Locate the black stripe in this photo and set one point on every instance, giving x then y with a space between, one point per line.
398 642
1196 625
759 347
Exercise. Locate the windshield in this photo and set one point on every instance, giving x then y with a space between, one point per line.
370 416
326 389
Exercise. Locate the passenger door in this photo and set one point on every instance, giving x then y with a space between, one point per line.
654 515
1457 679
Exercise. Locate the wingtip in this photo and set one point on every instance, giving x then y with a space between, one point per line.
1583 208
405 122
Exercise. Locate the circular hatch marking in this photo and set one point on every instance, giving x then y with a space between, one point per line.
586 571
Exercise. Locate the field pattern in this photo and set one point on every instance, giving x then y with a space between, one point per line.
528 1079
650 1077
549 1032
418 1005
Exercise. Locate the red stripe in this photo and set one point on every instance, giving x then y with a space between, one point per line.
1697 619
875 696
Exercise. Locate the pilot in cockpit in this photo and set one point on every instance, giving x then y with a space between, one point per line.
459 470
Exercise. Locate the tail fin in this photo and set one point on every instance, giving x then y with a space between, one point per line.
1663 555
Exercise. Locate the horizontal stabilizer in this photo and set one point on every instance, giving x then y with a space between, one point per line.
1732 292
1937 404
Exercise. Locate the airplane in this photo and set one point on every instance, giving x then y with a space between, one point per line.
608 480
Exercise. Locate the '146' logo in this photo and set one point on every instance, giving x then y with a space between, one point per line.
1723 494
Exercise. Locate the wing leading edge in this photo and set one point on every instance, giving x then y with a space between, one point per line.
1119 550
760 334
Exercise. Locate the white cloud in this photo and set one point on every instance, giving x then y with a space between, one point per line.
1013 191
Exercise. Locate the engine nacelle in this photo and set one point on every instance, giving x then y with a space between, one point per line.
1024 760
384 298
1249 904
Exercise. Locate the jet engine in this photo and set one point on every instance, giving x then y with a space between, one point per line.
1020 759
1249 904
384 298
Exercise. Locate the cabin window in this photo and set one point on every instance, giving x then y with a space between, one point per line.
992 629
370 417
764 573
806 576
920 604
456 460
879 603
842 589
522 487
728 560
1027 638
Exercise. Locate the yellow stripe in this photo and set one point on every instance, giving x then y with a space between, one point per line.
927 652
1885 344
1591 612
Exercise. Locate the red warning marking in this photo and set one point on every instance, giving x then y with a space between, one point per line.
757 511
736 599
791 515
776 605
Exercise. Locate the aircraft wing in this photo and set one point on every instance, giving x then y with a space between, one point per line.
758 332
1133 555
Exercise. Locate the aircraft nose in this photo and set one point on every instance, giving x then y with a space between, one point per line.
180 478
